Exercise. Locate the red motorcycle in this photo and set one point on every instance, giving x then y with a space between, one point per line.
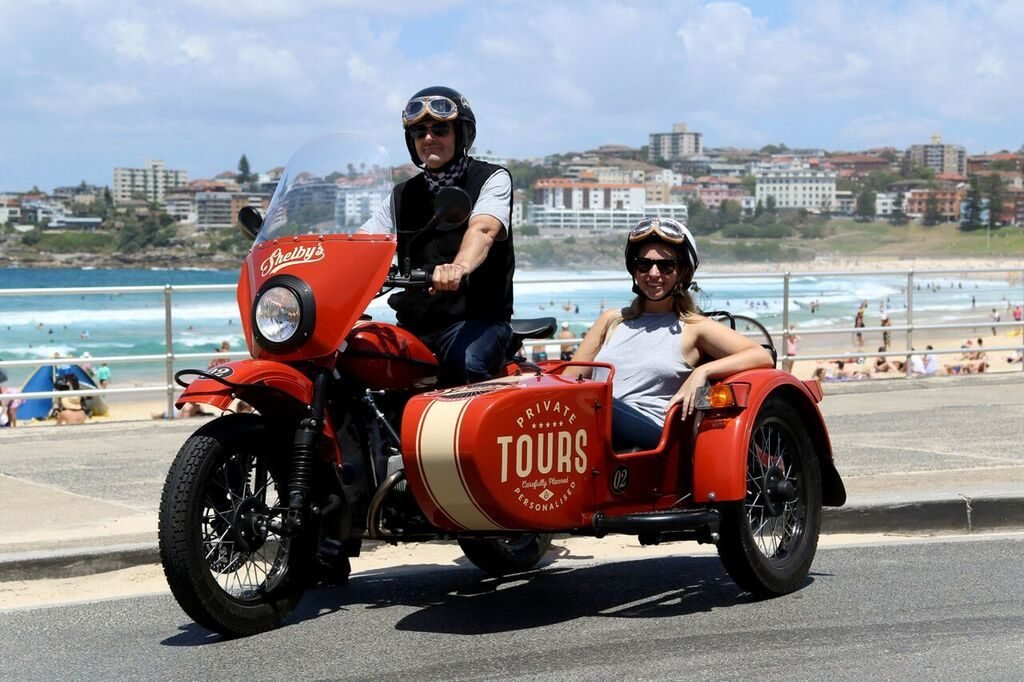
353 439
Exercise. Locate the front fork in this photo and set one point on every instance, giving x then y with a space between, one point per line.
304 449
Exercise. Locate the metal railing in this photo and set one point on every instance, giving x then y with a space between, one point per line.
784 332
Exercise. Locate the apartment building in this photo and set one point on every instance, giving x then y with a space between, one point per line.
564 193
941 158
150 182
948 200
677 144
807 188
600 219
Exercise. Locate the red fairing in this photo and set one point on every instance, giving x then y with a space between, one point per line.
514 453
383 356
335 266
720 450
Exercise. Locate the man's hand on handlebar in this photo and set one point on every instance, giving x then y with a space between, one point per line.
448 277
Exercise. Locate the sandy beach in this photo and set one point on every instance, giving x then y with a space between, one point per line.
947 342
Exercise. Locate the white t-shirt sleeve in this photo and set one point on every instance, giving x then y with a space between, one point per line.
494 199
381 221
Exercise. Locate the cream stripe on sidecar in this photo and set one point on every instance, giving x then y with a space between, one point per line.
437 439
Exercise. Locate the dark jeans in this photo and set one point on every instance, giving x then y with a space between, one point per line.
631 428
470 351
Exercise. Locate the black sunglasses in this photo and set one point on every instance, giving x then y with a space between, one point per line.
666 266
436 130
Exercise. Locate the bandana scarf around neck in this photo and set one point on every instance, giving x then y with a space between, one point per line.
445 177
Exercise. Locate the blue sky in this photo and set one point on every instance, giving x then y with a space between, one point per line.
92 84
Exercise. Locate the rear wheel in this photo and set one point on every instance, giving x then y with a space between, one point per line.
226 566
503 556
768 541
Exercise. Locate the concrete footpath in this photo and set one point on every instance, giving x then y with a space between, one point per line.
937 455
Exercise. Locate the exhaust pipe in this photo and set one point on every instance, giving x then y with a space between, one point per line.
654 527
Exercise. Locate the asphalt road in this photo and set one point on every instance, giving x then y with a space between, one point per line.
940 609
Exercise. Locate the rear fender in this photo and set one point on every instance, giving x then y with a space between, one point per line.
720 450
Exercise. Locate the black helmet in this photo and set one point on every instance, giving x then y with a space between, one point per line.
665 231
442 104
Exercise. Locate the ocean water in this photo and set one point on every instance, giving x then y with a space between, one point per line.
38 326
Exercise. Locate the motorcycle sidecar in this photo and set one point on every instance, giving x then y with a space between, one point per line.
531 454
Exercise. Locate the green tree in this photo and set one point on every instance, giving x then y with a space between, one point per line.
770 205
865 208
730 212
529 230
244 172
996 196
879 180
899 215
31 238
971 218
758 209
932 216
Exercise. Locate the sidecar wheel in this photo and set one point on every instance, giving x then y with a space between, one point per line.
500 557
768 541
228 571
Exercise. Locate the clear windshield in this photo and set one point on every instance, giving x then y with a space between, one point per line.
338 184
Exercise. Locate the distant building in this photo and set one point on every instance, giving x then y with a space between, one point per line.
213 211
845 204
151 182
859 164
565 193
599 219
884 203
948 201
941 158
678 144
797 188
10 211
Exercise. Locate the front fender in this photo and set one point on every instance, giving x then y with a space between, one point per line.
720 448
274 389
262 373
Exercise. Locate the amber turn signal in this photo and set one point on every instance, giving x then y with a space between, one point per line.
715 397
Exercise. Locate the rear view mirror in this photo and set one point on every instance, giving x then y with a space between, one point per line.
249 222
452 207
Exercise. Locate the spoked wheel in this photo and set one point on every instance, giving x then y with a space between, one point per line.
768 541
227 567
503 556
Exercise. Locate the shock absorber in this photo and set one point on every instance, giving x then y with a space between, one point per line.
304 448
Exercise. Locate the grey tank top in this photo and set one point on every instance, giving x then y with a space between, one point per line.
647 354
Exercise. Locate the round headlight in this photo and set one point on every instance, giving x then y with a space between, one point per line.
278 314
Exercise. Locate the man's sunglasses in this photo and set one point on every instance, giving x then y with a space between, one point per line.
666 266
436 130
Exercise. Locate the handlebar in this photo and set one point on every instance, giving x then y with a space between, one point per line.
418 278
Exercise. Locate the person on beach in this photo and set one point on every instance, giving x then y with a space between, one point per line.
663 351
567 349
8 406
858 322
886 335
791 344
103 375
225 347
70 409
995 319
467 327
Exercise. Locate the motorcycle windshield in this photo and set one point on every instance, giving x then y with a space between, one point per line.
337 184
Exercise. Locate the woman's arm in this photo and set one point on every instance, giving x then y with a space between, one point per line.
591 344
730 352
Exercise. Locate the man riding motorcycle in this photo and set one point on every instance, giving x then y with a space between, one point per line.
466 326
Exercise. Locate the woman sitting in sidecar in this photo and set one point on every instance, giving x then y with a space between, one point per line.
662 350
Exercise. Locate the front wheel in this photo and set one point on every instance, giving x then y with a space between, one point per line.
503 556
227 567
768 540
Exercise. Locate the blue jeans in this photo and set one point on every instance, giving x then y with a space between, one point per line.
470 351
631 428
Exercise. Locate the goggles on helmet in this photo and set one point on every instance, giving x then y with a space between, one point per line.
435 106
669 230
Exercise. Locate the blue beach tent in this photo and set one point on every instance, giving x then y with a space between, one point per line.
43 379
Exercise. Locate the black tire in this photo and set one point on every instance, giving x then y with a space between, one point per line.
504 556
227 575
768 541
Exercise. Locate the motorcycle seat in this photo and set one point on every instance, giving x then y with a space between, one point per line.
535 328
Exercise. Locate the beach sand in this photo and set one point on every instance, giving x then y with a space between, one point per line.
833 344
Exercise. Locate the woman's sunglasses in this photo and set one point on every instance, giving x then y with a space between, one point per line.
666 266
436 130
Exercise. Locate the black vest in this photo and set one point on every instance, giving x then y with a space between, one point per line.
489 293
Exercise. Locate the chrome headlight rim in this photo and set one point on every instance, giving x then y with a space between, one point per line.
307 313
